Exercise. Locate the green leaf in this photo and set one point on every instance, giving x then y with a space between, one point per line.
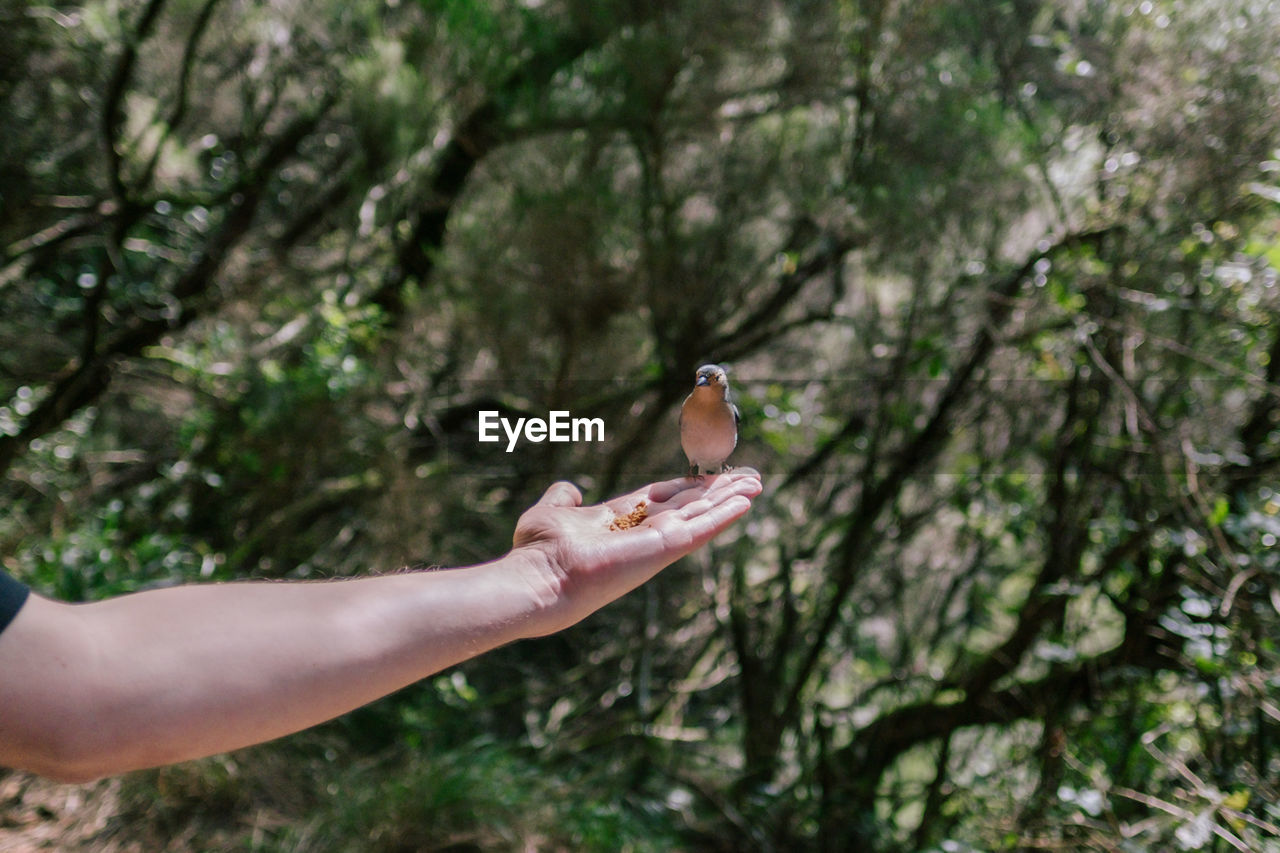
1220 509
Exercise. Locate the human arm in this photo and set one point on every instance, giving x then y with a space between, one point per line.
171 674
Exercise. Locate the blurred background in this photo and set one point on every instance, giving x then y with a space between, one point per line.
996 285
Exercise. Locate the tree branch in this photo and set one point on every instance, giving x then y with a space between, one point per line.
481 132
86 378
915 454
113 102
179 110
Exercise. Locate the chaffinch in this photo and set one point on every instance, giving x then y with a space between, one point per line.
708 422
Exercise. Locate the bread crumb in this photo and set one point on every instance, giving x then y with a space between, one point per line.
631 519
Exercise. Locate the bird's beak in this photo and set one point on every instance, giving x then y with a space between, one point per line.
702 380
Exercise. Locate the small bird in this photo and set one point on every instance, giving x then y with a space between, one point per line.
708 422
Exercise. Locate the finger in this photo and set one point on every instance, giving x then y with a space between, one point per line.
681 491
736 481
749 484
691 504
722 515
687 533
690 486
667 489
562 493
732 478
716 490
748 488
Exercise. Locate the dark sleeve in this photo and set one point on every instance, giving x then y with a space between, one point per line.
12 596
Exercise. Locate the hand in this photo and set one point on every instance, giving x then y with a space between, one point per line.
579 559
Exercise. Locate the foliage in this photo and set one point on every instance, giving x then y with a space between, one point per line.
997 285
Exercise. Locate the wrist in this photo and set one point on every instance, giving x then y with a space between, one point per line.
529 575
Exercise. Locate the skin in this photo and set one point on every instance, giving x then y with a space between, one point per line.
91 690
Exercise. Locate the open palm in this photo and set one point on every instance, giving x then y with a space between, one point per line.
582 557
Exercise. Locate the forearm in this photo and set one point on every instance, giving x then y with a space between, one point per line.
173 674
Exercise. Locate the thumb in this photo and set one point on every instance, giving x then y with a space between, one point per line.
562 493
